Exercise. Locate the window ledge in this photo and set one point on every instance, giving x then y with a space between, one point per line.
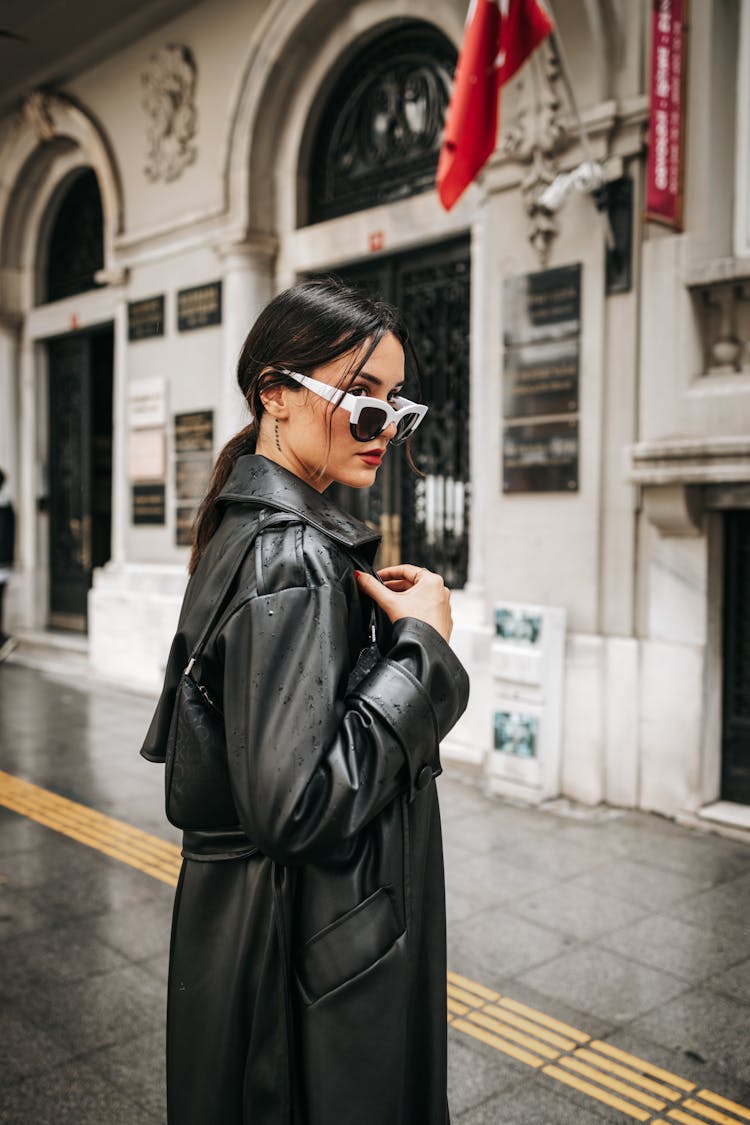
715 270
693 460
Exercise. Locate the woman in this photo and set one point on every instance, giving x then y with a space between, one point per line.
307 967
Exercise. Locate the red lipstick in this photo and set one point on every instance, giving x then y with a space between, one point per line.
373 457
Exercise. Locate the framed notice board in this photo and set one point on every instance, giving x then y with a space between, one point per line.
541 402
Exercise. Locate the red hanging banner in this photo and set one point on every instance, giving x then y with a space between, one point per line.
667 101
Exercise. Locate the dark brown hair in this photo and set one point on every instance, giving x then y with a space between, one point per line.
302 328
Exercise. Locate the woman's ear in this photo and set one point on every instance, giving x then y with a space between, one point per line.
276 402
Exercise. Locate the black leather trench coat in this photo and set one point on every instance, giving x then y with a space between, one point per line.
307 966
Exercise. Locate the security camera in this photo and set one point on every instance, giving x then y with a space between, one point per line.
587 177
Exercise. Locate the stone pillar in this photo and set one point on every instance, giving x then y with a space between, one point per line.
120 497
248 286
468 744
31 555
9 400
482 416
9 423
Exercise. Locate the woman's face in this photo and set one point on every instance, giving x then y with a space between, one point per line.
314 435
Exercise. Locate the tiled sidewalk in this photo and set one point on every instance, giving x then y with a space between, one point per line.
623 925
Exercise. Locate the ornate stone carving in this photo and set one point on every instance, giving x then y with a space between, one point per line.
536 136
38 112
169 83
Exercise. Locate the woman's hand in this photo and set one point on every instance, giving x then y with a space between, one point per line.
410 591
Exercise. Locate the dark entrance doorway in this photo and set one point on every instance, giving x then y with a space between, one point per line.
735 756
80 469
425 520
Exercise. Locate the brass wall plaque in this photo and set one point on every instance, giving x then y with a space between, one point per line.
199 307
146 318
542 306
184 524
194 432
149 504
541 378
542 328
192 475
541 456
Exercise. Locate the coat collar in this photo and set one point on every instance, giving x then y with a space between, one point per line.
258 481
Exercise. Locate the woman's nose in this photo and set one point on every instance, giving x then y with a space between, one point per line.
389 432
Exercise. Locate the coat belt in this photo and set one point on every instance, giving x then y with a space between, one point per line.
217 844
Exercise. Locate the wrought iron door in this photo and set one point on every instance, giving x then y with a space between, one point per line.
80 438
433 293
425 519
735 759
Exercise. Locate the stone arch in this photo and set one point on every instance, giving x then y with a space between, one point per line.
281 82
51 137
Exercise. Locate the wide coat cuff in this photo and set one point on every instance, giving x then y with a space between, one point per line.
421 689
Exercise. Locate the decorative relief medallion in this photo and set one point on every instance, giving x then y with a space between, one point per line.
536 137
169 83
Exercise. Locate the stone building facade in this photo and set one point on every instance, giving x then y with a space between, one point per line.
587 486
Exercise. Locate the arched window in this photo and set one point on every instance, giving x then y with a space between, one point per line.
75 250
378 136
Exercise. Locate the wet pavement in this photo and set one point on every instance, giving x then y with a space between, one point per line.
621 927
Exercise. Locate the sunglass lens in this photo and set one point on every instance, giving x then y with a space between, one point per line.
406 426
370 423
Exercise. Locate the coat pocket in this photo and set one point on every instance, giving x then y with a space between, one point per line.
348 946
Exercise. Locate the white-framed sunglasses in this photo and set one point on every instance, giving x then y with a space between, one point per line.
368 417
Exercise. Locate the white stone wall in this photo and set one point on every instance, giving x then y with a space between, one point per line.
639 699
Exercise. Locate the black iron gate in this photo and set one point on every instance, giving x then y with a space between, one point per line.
80 470
735 758
425 520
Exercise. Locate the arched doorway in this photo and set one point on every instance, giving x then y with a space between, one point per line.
80 405
376 141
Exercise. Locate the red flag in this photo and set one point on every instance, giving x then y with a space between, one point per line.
499 36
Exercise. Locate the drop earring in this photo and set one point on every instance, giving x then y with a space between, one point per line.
276 435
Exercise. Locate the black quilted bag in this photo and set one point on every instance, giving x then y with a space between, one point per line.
197 788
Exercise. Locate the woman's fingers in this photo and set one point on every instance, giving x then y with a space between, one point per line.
410 591
378 591
404 572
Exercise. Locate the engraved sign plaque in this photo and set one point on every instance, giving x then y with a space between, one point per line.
199 307
542 327
192 475
541 456
146 318
542 306
194 432
149 504
184 524
541 378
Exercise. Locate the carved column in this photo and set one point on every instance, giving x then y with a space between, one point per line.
120 484
9 399
30 561
248 286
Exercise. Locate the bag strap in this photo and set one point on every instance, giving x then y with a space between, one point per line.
276 520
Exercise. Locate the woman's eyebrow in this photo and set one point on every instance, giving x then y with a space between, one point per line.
377 382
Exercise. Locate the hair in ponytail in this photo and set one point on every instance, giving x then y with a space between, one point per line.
208 516
302 328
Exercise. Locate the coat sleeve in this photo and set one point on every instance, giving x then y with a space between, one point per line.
311 763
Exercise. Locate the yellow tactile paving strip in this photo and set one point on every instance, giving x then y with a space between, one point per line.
631 1086
113 837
